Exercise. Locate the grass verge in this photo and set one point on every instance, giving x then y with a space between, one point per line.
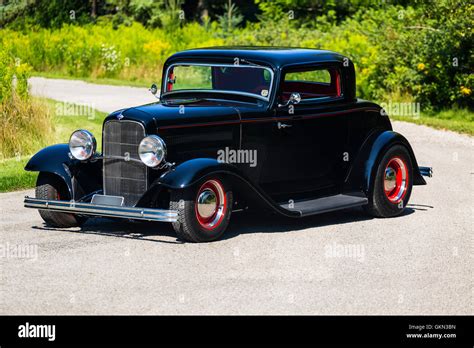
457 120
14 177
12 173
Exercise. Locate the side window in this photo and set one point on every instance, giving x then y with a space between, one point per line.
312 83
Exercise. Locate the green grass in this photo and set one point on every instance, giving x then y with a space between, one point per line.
12 173
100 81
457 120
65 125
14 177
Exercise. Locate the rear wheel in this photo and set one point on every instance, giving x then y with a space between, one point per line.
203 211
51 187
391 189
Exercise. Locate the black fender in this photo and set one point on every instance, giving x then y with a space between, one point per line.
362 173
55 159
190 172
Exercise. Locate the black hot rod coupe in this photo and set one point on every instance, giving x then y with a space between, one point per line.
277 128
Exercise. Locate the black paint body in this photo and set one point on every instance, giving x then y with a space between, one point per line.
332 146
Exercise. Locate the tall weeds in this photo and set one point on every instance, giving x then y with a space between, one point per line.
25 124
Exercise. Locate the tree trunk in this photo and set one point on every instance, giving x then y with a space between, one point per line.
94 9
202 6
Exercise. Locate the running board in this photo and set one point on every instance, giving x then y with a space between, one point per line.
324 204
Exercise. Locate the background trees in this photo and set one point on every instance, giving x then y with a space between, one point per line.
403 50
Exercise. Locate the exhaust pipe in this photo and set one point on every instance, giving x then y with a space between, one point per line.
426 171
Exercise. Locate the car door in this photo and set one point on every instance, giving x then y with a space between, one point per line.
307 140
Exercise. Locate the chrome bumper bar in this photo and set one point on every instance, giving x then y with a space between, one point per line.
426 171
102 210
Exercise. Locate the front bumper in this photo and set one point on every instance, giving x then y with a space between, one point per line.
135 213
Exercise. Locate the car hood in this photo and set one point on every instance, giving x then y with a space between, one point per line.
156 115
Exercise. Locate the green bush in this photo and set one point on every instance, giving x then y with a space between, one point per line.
102 51
419 52
424 52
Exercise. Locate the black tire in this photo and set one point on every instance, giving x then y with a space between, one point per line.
51 187
189 227
384 203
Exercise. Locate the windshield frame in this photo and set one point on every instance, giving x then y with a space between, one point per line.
267 98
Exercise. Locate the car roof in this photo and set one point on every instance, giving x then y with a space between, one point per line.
273 56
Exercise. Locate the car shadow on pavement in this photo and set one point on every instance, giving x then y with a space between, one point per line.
122 229
254 222
241 223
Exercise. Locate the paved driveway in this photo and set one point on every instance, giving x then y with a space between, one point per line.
335 263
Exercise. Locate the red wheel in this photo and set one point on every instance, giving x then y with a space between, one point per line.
203 210
391 188
396 180
211 204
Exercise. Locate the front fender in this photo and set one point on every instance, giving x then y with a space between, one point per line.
53 159
363 171
190 172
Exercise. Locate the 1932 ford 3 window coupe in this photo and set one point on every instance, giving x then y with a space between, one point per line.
234 128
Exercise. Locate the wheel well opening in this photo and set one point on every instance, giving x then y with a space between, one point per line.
56 181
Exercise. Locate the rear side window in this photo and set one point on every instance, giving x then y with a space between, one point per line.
312 83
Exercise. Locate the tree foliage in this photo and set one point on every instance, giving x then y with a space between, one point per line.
412 50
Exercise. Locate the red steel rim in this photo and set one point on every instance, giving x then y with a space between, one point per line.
211 222
396 180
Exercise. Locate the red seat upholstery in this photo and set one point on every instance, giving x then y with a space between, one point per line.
309 90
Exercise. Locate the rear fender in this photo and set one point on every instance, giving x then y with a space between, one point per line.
362 173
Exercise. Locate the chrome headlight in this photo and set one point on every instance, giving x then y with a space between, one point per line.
152 150
82 144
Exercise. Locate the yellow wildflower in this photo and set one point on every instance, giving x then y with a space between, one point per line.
421 66
465 90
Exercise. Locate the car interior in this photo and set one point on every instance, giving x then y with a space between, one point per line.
311 88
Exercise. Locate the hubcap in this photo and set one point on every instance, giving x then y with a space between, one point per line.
210 204
207 203
395 180
390 179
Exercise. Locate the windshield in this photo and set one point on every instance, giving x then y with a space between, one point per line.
247 80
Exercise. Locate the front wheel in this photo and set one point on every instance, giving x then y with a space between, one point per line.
51 187
203 210
393 182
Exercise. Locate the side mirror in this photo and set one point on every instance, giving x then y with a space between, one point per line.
154 90
295 98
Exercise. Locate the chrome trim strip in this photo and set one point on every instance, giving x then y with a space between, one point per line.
270 88
118 158
102 210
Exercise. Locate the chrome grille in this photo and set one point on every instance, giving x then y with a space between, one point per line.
127 178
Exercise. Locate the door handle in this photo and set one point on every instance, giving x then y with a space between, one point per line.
283 125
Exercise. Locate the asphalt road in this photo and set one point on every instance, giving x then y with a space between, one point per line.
336 263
